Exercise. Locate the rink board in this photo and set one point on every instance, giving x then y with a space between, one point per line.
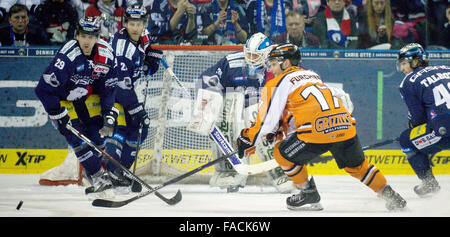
30 144
35 161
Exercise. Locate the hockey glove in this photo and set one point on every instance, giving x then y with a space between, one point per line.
344 97
60 118
109 123
151 61
275 136
139 115
244 144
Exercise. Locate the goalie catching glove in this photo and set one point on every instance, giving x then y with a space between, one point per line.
245 146
109 123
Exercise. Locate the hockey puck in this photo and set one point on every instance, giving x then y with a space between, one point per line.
19 205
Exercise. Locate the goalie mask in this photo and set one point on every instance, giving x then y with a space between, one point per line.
256 50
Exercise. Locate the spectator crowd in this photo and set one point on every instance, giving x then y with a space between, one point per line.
330 24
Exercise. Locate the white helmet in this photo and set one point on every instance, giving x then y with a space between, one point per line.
256 50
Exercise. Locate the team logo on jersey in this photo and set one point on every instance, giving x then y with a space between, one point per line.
243 78
426 140
433 114
80 68
51 79
333 122
100 70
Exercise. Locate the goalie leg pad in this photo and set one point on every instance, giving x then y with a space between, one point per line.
277 177
369 175
225 176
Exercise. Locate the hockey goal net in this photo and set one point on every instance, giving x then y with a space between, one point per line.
170 149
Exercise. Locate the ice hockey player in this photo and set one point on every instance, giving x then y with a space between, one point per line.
317 122
426 92
78 88
238 77
135 57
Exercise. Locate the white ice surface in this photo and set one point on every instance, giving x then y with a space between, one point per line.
342 196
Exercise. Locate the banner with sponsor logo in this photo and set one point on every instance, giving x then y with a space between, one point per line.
390 162
30 161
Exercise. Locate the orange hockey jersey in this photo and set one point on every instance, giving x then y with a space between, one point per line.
317 116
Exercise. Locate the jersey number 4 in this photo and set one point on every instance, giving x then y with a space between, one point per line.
320 97
442 95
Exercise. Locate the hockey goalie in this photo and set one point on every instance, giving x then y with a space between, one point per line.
228 98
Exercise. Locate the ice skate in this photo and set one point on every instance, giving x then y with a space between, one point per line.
429 186
123 184
102 186
307 200
393 200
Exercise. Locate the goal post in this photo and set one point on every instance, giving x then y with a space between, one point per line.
170 149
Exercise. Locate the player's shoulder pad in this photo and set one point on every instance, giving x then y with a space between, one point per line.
104 51
69 50
419 75
103 44
235 60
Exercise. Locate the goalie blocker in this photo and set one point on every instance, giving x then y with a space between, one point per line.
206 113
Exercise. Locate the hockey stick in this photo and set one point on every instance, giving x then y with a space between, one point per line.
111 203
172 201
115 204
389 141
138 147
224 145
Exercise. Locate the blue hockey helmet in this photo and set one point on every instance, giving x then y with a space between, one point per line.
89 25
136 12
411 51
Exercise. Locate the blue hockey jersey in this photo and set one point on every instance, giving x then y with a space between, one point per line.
426 92
71 76
159 24
130 61
232 73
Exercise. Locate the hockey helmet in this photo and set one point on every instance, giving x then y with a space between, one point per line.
136 12
411 51
89 25
256 49
286 51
